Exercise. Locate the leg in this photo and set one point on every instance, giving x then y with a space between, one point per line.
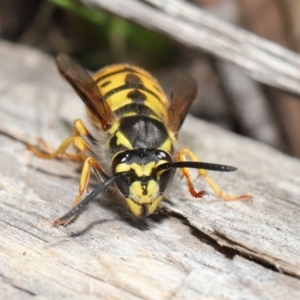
83 183
78 140
79 131
181 156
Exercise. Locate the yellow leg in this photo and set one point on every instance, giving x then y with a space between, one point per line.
83 183
78 140
181 156
79 130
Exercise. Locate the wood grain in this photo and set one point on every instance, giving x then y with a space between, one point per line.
200 249
261 59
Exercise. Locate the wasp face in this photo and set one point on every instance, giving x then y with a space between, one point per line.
144 187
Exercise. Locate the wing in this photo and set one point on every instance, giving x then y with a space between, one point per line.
183 92
86 88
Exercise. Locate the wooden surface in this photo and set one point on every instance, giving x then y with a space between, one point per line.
201 249
261 59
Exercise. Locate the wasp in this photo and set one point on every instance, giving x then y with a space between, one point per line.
135 151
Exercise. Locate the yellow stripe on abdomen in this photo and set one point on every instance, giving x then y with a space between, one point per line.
122 98
121 85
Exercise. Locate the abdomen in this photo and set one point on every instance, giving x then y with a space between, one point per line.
131 90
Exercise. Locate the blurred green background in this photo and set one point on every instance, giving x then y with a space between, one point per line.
96 38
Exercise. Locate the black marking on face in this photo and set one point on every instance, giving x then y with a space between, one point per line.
144 188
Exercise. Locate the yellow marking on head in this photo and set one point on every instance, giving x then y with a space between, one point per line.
143 170
153 206
123 140
137 208
123 167
140 170
144 193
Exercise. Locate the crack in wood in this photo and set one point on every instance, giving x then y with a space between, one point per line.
242 251
21 289
222 244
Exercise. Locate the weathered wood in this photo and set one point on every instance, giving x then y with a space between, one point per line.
189 253
251 107
263 60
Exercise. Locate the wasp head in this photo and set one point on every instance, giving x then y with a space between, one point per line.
144 186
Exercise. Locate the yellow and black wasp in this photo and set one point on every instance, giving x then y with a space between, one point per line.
135 150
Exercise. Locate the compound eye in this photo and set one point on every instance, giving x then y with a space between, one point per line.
165 179
119 159
162 155
123 186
